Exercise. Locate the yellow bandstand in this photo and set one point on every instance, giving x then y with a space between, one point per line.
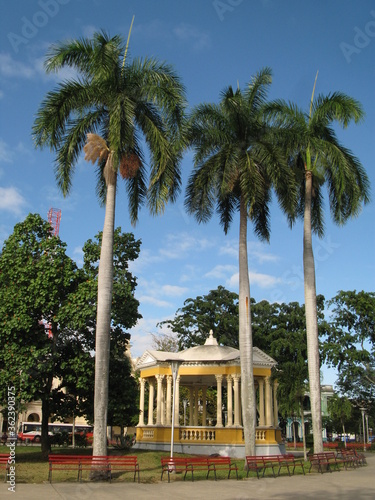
197 428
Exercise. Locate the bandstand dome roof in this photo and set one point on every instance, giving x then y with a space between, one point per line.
210 352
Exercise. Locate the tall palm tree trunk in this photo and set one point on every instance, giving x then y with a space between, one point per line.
302 416
246 340
312 320
103 322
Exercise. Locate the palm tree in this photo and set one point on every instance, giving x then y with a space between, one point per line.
317 158
236 163
107 111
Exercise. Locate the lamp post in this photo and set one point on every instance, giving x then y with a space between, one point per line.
363 428
175 365
367 434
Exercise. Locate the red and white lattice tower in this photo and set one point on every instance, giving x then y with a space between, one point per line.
54 218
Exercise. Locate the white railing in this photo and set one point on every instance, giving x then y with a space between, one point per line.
148 433
197 435
260 435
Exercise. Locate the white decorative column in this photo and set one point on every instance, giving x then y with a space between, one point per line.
151 396
275 406
191 406
159 397
169 399
236 380
204 405
261 402
196 390
177 403
162 404
268 402
219 402
142 383
229 401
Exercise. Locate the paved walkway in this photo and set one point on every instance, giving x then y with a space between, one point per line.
353 484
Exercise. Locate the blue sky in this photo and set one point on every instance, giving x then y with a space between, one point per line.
211 44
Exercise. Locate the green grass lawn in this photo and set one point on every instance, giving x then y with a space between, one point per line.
30 467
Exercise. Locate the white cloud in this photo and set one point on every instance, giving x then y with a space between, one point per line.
11 200
230 248
178 245
11 68
148 299
190 273
263 280
6 154
221 271
141 334
258 279
145 259
256 251
199 39
259 252
173 291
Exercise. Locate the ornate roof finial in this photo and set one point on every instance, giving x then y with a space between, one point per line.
211 339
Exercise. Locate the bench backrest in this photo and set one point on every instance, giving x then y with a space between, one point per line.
219 460
173 460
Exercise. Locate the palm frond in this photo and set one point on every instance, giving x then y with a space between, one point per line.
257 90
336 107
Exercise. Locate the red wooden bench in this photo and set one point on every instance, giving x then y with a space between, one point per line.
221 463
174 465
4 464
352 457
290 461
327 460
124 464
106 464
258 464
197 464
193 464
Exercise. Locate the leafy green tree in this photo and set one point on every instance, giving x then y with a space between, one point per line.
280 329
317 157
217 311
37 279
350 344
236 163
80 316
39 286
340 411
129 105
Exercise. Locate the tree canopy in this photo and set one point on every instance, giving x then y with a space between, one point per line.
350 344
48 315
